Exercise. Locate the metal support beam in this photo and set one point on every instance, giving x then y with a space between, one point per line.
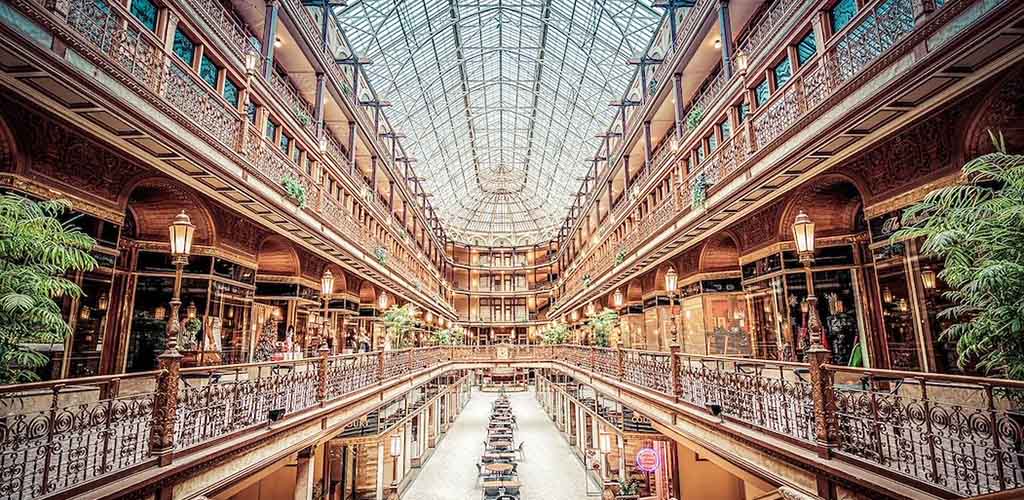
725 26
269 36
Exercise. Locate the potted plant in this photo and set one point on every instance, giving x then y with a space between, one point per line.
555 333
38 252
602 324
398 321
628 490
294 190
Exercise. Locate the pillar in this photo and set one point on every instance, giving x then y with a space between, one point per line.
269 35
726 32
304 474
319 107
647 145
351 147
380 471
677 94
373 174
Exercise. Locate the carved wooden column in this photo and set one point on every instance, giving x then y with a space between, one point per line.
821 394
675 369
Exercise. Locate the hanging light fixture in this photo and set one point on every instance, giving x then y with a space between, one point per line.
803 235
618 298
252 60
103 301
887 295
671 280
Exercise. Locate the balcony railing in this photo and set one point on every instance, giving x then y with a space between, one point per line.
960 435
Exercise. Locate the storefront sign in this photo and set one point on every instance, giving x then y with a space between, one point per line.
647 460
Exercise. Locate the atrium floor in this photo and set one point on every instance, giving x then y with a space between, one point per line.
550 470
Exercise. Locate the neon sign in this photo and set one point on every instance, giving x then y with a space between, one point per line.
648 460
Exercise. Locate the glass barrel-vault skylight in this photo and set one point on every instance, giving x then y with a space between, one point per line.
500 100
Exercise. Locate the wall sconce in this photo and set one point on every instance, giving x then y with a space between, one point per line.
928 278
887 295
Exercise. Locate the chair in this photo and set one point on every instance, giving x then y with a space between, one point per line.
480 472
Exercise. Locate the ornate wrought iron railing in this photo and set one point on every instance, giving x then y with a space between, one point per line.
960 435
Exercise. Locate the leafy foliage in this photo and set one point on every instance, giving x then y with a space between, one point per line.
555 333
398 321
454 335
694 117
36 251
602 324
294 189
629 487
977 227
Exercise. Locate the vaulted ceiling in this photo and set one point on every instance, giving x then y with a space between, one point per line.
500 101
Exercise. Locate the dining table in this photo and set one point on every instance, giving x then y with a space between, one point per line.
498 467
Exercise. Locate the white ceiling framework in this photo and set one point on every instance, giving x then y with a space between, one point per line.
500 100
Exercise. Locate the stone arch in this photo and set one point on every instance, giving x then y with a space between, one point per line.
277 257
367 294
634 291
152 203
720 253
834 202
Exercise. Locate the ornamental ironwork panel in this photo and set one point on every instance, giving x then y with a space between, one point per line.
962 436
649 369
348 374
60 435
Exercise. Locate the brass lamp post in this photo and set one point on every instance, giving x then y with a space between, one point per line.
803 236
671 286
180 232
326 289
395 452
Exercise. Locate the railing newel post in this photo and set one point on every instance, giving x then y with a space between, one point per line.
380 367
620 360
165 406
821 388
674 371
322 368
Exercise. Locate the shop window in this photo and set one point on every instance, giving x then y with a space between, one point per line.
146 12
184 47
725 129
271 131
209 71
783 73
285 143
762 92
842 13
231 92
806 49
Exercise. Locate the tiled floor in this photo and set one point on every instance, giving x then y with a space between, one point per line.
550 471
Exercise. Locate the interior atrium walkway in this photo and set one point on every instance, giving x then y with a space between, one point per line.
549 470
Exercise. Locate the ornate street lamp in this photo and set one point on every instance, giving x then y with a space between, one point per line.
590 308
618 298
803 236
671 285
928 279
382 301
395 452
180 235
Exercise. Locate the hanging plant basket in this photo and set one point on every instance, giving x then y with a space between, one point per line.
699 191
294 190
381 254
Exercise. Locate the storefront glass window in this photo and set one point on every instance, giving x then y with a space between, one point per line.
897 317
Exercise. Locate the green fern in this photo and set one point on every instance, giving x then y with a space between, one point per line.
977 228
37 251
